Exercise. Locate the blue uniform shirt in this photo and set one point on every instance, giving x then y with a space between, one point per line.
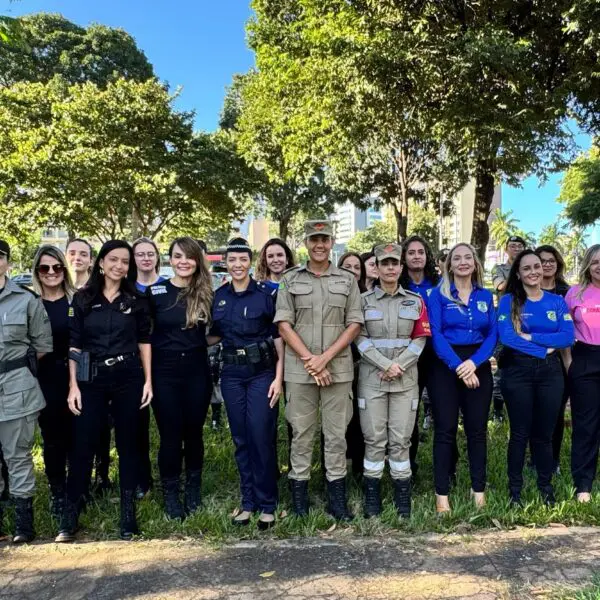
142 288
547 320
454 324
244 318
423 289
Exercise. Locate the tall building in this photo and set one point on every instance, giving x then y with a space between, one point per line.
349 220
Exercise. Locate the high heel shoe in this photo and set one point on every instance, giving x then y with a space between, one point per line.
478 499
442 505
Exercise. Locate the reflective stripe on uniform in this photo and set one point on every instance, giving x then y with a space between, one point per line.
415 348
363 346
399 466
386 343
373 466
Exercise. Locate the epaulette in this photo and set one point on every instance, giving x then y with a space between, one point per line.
368 293
24 287
294 268
266 289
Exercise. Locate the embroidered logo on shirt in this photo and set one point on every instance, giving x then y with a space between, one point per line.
409 302
568 317
502 318
482 306
222 303
428 292
551 315
158 290
71 312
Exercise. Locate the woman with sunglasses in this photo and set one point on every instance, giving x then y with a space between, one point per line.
52 281
110 371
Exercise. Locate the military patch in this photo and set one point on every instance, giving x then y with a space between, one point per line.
222 303
502 318
408 302
282 285
126 310
482 306
551 315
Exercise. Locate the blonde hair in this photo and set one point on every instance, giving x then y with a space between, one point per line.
585 278
448 275
146 240
56 253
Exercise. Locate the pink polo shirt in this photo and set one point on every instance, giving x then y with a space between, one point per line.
586 313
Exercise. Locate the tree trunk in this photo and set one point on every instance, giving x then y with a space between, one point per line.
485 182
284 228
135 224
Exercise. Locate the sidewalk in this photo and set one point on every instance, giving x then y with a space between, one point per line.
518 564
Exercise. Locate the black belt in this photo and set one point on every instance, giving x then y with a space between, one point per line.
111 361
239 358
12 365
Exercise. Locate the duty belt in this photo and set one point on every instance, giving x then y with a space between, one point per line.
239 358
12 365
114 360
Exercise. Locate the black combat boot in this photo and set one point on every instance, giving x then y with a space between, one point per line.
402 495
193 497
129 526
515 498
173 506
336 505
68 524
299 490
57 501
372 492
547 493
23 520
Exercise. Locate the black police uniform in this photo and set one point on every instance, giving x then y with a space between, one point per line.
110 332
182 387
244 322
55 419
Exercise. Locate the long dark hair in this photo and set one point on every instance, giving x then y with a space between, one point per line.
560 263
95 283
430 266
514 286
262 270
363 271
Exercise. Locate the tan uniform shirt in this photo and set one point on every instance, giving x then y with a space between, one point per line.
319 308
23 323
500 274
395 331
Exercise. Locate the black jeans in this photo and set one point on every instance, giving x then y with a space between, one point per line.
424 366
533 390
182 388
584 385
449 395
56 420
116 390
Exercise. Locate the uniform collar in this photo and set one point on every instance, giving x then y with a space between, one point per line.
252 287
331 270
11 286
379 293
454 290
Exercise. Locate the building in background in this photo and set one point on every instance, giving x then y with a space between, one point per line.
54 236
349 220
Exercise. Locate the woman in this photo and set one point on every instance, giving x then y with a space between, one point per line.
274 258
391 340
583 301
180 309
371 273
147 261
251 381
532 324
419 275
52 281
353 262
553 281
464 334
79 254
110 371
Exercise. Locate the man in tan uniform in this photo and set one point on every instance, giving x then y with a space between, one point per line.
390 343
318 312
24 325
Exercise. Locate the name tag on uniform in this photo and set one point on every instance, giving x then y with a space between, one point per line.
373 315
158 290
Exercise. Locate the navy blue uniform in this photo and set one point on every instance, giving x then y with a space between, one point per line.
533 383
242 319
461 332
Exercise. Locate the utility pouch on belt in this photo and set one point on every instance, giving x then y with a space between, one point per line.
84 366
253 354
32 361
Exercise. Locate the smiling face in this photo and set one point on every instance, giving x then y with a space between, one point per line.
389 270
319 247
530 270
79 257
116 264
462 262
352 263
416 256
595 269
276 259
238 265
371 268
183 266
145 258
51 272
549 264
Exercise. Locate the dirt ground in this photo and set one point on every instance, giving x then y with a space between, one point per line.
522 564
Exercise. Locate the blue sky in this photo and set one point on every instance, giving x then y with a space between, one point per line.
200 45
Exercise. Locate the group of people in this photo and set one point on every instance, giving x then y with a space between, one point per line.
102 340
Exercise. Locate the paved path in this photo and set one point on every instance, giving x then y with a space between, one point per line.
520 564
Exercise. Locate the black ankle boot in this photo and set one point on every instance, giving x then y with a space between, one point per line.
57 501
173 507
515 498
299 490
193 496
547 493
372 492
24 531
68 524
129 526
402 496
336 505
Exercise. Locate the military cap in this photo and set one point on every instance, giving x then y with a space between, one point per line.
384 251
318 227
4 249
518 239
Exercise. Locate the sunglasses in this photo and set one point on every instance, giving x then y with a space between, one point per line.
45 269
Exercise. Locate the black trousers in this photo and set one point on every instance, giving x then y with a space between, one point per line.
117 391
182 388
584 385
424 370
56 420
559 429
355 441
533 390
449 396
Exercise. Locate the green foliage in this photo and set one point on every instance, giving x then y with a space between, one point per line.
423 220
380 232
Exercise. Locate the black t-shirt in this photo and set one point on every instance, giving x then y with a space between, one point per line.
108 329
168 317
58 312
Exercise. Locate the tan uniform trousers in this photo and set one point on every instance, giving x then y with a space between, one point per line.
16 438
387 419
302 413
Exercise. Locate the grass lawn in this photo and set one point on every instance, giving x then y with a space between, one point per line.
221 496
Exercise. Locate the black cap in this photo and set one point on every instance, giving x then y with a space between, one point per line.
516 238
5 249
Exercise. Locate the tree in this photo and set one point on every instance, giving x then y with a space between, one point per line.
113 162
580 189
575 247
424 221
503 226
554 235
380 232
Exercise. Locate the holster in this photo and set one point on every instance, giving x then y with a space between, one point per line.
84 372
32 361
